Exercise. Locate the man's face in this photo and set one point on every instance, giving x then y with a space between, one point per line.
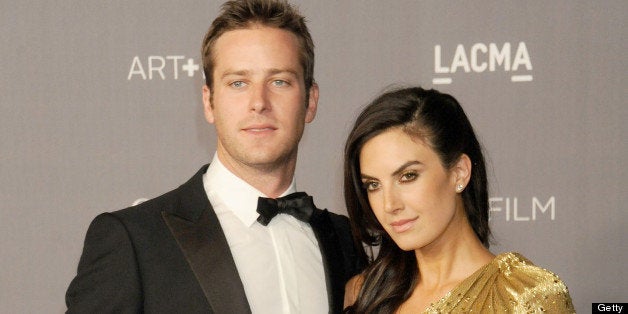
258 100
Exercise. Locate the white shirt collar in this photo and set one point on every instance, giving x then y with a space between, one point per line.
227 192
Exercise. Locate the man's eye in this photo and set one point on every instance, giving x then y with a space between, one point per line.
238 84
280 83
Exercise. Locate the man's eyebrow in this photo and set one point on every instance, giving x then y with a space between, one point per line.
272 71
234 73
278 71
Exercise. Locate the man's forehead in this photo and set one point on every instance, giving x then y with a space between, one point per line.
248 50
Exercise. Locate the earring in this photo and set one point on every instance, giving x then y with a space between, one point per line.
459 188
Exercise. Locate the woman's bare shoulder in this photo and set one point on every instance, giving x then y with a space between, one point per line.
352 288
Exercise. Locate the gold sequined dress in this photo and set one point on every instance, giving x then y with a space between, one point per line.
510 283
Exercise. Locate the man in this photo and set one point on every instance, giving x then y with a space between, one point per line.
204 248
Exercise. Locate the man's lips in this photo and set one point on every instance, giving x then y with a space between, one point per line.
402 225
259 128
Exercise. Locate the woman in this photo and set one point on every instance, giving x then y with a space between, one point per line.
415 183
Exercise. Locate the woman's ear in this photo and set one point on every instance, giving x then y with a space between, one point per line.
462 172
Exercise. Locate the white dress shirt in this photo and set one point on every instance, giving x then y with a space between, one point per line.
280 265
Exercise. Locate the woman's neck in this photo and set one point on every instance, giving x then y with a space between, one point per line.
451 258
443 266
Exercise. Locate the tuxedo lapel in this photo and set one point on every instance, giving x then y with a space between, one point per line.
197 230
329 243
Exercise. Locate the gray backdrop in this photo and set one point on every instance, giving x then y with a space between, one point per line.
101 105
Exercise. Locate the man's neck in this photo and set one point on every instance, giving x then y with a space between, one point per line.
272 180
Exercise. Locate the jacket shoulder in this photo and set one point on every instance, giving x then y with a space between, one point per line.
187 201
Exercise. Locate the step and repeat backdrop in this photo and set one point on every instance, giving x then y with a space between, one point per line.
101 107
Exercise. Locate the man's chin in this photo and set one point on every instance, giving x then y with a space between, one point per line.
270 160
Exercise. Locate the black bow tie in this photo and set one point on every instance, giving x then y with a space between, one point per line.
300 205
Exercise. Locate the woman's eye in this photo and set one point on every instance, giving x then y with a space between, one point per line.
408 176
371 185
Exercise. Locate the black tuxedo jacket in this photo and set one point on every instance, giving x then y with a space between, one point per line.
169 255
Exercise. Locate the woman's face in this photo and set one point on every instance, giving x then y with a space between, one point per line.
412 195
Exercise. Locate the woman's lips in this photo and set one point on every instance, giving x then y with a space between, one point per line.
400 226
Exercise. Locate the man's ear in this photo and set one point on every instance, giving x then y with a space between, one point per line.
462 171
207 105
312 104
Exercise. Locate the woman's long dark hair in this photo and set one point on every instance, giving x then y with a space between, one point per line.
439 120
